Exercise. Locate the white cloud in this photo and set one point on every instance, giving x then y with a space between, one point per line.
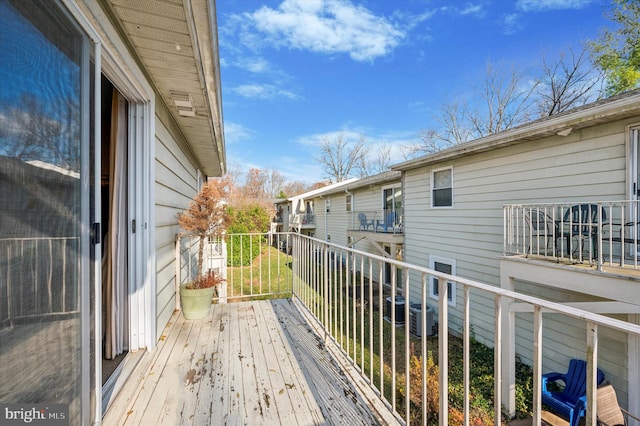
264 91
255 65
326 26
375 140
234 133
511 23
539 5
476 10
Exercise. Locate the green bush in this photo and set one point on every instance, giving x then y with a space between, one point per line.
242 249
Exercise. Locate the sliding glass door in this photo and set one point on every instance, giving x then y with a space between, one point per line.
45 85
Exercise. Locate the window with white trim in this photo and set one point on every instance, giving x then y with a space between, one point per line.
349 201
447 266
442 187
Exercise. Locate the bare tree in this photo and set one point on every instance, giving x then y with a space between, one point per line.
254 185
454 129
274 183
32 130
505 101
568 82
377 162
340 157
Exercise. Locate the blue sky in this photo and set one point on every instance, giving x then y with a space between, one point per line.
295 73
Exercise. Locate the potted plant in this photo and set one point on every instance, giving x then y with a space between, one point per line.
206 217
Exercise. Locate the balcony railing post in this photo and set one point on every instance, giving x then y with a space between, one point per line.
537 364
497 365
592 365
443 350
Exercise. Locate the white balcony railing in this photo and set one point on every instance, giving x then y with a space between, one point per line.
593 232
38 278
380 221
341 288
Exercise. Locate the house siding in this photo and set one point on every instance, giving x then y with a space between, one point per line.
588 165
175 185
366 199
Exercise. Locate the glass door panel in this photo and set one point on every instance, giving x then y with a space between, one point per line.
44 90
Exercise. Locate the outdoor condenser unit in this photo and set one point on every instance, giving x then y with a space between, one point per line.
399 302
415 320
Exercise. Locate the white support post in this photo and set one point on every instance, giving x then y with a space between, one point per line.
592 361
537 365
508 385
443 350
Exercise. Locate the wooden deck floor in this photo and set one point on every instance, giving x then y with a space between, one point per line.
248 363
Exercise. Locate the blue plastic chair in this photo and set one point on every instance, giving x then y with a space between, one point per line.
388 223
571 401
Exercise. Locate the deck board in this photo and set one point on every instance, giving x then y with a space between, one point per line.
248 363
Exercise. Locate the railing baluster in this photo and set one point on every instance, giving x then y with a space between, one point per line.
443 350
381 327
393 338
592 366
497 367
537 364
370 322
362 309
423 312
407 348
466 345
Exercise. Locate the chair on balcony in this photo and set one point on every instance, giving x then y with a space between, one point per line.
581 222
364 222
570 401
608 410
388 224
541 232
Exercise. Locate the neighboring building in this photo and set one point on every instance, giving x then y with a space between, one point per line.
455 222
365 214
303 211
111 120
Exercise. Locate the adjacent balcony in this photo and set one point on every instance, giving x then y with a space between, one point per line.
337 351
604 235
384 221
301 221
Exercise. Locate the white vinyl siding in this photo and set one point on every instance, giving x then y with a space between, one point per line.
175 185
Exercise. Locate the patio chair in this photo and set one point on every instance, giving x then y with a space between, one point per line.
581 221
541 232
570 401
608 410
388 223
364 222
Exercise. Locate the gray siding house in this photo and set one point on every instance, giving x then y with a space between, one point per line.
459 218
111 119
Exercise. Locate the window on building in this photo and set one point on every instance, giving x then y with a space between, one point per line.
349 201
442 188
447 266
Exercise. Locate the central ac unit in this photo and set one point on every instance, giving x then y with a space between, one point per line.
415 320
